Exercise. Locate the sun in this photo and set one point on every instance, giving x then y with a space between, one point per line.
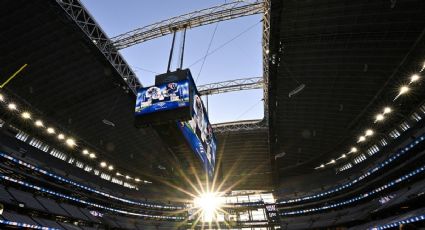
208 204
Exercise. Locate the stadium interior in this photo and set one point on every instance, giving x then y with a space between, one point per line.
85 145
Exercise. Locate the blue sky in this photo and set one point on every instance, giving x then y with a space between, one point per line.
240 58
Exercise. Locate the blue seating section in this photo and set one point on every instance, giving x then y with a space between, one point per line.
393 183
25 225
403 151
84 202
87 188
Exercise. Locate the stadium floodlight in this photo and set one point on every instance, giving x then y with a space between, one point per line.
361 139
1 97
61 136
70 142
110 167
353 150
50 130
26 115
414 78
209 203
331 162
103 164
86 152
379 117
387 110
404 89
368 132
12 106
39 123
342 156
92 155
137 179
320 166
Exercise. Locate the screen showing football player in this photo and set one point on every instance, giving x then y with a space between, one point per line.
171 92
153 94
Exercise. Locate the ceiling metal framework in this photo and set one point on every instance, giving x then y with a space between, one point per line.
90 27
240 126
231 86
266 57
110 47
191 20
263 123
204 17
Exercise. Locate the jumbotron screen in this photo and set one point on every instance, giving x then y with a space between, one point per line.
174 97
199 134
167 96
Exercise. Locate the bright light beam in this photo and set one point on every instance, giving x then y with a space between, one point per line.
209 204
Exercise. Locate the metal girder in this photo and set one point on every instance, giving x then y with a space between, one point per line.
240 126
231 86
264 123
266 57
88 25
194 19
110 47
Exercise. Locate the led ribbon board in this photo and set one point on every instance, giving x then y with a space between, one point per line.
199 133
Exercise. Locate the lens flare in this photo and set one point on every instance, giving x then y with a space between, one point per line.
209 204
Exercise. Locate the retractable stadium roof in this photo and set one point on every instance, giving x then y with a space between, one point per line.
350 55
71 82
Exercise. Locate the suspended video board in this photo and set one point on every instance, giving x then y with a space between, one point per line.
199 134
164 102
174 98
167 96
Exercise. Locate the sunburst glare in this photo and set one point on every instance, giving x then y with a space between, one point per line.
209 204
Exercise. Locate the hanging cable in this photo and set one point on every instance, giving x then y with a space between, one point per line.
224 44
249 109
182 45
208 50
143 69
171 52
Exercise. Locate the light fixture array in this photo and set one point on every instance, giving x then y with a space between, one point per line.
380 117
51 131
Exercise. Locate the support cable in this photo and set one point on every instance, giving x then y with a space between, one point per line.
224 44
183 43
249 109
171 52
208 50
